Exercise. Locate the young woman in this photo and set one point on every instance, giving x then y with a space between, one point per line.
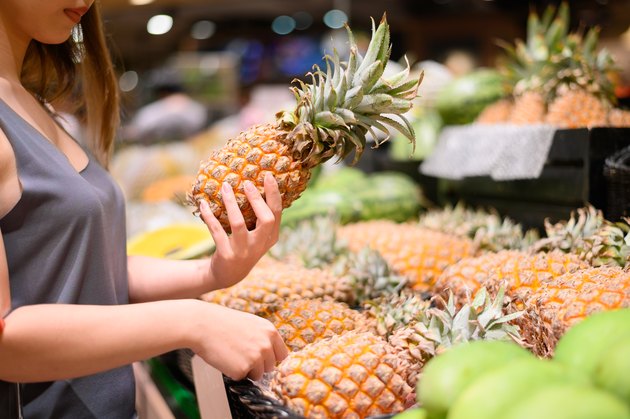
75 311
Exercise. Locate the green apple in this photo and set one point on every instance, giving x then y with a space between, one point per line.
612 373
414 413
583 345
569 401
494 392
447 375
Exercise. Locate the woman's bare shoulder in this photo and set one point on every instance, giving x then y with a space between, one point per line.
9 184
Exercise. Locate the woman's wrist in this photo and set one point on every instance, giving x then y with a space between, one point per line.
193 318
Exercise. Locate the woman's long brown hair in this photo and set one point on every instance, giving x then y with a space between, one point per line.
79 72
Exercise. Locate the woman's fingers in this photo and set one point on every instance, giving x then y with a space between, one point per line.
257 372
280 350
272 195
235 216
264 216
214 225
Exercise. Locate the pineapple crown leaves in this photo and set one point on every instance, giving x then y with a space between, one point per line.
553 59
610 246
369 275
434 329
487 229
527 62
568 235
590 236
348 100
313 241
391 312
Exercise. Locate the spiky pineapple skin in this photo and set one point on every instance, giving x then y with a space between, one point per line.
271 282
521 273
353 375
569 299
496 113
577 108
305 321
415 252
529 108
619 118
263 148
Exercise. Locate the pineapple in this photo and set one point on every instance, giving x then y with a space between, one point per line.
359 374
353 375
421 251
577 109
585 240
582 92
332 118
619 118
528 64
304 321
312 243
520 272
272 282
415 252
570 298
496 113
529 108
591 237
559 78
353 280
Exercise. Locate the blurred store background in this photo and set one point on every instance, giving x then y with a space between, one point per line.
224 48
193 73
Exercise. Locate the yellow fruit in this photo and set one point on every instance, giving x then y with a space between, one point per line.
521 273
305 321
577 109
415 252
529 108
496 113
571 298
353 375
272 282
175 241
619 118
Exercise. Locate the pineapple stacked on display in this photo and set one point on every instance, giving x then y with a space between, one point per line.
579 268
332 117
559 78
359 374
422 250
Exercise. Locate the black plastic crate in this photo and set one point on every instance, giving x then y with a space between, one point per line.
573 175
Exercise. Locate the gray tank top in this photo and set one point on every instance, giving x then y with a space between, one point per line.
65 243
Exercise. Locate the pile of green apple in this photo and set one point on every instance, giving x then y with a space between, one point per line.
587 378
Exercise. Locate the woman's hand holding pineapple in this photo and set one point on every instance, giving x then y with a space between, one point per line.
237 253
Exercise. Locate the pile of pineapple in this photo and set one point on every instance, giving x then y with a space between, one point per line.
557 77
364 306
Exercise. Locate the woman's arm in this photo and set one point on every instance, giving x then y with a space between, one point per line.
153 279
57 341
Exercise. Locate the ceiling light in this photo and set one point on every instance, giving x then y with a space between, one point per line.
203 29
128 81
159 24
140 2
335 18
283 25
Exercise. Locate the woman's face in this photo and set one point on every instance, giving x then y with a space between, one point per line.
47 21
